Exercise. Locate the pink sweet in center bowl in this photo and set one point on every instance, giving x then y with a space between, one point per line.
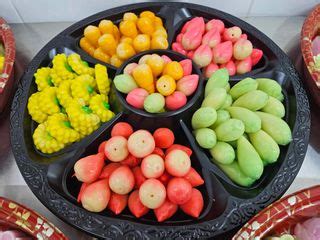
136 97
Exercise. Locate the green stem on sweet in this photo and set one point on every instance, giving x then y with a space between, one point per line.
63 110
85 63
49 80
49 136
86 109
106 105
90 89
67 124
56 101
68 67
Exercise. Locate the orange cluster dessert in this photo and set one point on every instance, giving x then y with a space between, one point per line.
114 44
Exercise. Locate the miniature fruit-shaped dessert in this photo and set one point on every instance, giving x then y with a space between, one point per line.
142 184
179 190
141 143
177 163
152 166
244 131
135 205
116 149
152 193
122 129
176 100
163 137
88 169
136 97
114 44
72 101
121 180
212 46
96 196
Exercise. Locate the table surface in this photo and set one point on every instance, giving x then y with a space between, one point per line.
30 38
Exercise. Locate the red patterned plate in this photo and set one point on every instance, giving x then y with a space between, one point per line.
6 76
17 216
281 216
310 29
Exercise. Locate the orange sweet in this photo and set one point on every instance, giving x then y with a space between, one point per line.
147 14
108 43
116 33
126 39
160 32
92 33
125 51
141 42
128 28
143 76
130 16
173 69
145 25
115 61
101 55
157 22
156 63
159 42
86 46
106 26
166 85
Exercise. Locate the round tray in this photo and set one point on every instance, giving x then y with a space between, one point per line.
227 205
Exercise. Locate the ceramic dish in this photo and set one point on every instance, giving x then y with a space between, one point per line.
7 75
15 215
310 29
282 216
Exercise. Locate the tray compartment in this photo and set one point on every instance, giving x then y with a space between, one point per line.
181 113
272 170
164 12
60 177
185 14
31 125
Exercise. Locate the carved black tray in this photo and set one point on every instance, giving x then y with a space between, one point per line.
227 205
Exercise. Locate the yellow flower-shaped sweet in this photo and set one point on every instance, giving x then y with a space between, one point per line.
44 141
103 82
82 87
48 102
34 110
100 106
61 67
64 93
59 127
82 119
67 105
43 78
79 66
55 78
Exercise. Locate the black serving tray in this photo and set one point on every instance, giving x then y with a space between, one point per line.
227 205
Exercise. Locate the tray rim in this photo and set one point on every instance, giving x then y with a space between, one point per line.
297 201
28 220
10 52
205 229
307 33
